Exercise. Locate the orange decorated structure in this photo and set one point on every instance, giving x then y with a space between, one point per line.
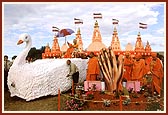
54 52
115 43
96 45
79 40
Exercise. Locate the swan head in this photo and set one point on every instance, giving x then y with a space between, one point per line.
24 38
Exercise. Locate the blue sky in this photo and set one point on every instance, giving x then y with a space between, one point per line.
37 19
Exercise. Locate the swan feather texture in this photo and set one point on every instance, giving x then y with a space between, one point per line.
42 77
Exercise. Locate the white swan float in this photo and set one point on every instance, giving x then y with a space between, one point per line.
42 77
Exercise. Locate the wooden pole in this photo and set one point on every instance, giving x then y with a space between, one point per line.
135 86
120 103
72 87
59 100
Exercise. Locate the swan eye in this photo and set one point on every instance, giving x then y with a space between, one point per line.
26 37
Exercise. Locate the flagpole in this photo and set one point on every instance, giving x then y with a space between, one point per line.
77 23
65 39
138 28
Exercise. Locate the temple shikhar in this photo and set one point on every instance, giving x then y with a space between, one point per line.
79 40
115 43
96 45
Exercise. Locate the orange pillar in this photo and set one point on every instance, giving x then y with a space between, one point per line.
120 103
59 100
72 87
135 86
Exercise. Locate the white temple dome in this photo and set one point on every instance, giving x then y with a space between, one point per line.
95 46
64 48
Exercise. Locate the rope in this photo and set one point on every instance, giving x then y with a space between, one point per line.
117 100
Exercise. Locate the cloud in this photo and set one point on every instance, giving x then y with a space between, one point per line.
38 19
160 31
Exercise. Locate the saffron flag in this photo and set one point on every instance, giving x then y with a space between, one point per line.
55 29
115 21
97 15
78 21
142 25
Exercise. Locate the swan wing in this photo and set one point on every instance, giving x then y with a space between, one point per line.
43 77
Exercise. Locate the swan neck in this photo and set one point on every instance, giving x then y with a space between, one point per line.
21 58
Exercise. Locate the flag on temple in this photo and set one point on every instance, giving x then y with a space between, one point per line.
115 21
97 15
142 25
55 29
78 21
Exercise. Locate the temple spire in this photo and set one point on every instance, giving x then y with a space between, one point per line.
55 46
115 43
79 40
147 47
96 24
96 44
139 45
78 31
47 48
115 29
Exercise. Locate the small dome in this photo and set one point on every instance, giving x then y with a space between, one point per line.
129 47
95 46
64 48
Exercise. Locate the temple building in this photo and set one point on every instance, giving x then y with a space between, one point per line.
79 40
55 46
115 43
147 47
47 48
139 45
129 47
96 44
54 51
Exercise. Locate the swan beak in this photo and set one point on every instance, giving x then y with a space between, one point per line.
20 42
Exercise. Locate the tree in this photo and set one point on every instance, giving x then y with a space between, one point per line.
36 53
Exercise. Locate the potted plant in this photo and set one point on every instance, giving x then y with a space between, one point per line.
89 95
93 87
79 89
106 102
74 104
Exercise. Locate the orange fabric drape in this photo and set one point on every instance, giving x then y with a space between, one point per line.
147 64
91 77
69 52
127 68
157 74
93 69
138 70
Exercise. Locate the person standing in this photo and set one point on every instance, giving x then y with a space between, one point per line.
73 72
93 69
13 59
69 51
138 68
7 65
148 60
128 63
157 73
76 50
